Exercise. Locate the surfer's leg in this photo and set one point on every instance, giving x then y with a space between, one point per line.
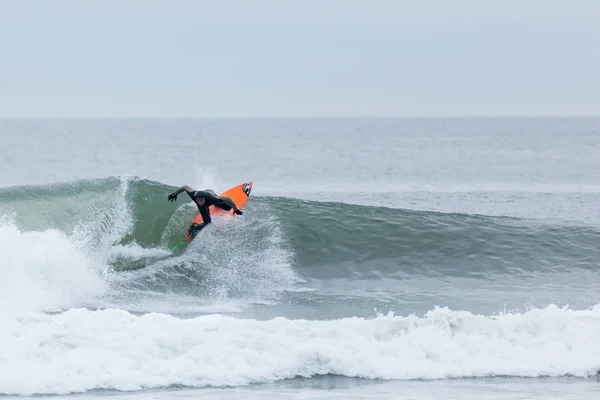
225 204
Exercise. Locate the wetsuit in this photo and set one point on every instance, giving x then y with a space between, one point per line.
210 199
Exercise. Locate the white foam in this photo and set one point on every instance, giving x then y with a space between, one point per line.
44 271
134 251
50 270
81 350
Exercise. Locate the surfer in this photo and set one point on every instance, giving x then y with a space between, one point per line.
205 199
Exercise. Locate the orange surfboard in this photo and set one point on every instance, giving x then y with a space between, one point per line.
239 194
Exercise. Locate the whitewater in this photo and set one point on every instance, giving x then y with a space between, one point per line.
376 258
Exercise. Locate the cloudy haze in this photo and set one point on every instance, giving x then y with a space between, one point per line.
308 57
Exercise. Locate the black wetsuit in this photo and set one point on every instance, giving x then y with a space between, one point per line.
210 199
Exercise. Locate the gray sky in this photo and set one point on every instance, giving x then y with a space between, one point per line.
93 58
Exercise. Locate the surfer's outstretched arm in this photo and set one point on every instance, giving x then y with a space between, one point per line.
184 188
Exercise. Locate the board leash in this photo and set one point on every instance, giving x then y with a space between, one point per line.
178 244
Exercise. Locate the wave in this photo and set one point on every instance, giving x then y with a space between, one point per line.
81 350
331 238
132 218
117 232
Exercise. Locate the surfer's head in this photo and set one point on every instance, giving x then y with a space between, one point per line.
199 199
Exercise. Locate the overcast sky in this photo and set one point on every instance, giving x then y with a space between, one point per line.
299 58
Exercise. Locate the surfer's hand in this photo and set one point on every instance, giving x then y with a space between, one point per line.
238 212
172 197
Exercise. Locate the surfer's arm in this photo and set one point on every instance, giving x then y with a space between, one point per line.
184 188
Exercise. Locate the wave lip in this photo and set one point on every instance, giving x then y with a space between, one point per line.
81 350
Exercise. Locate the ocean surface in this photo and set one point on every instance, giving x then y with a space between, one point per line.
376 258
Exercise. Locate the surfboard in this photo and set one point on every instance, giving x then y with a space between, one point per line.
239 194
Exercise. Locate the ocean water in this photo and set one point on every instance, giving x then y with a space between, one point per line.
376 258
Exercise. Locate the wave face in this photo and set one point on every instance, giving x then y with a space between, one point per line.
129 213
404 243
91 297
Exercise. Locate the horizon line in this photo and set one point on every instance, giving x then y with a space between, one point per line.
431 116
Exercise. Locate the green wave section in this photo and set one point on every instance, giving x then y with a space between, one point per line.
324 238
131 209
